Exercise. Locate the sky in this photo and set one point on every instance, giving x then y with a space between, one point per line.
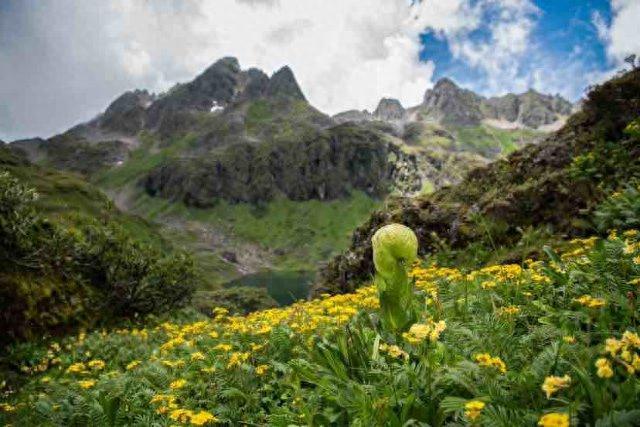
63 61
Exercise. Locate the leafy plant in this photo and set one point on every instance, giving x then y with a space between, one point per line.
395 248
619 211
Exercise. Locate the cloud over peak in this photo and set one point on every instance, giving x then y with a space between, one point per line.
62 61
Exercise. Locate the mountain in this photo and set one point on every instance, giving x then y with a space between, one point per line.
448 104
237 143
540 193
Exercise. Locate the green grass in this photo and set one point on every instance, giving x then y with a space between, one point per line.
486 139
300 233
144 158
64 196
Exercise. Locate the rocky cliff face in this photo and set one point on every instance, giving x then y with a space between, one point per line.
127 114
389 110
323 165
449 104
531 109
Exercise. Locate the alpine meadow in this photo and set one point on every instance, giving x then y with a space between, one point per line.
320 213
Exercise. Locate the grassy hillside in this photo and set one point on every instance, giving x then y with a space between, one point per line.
66 196
489 141
289 235
549 343
69 258
280 234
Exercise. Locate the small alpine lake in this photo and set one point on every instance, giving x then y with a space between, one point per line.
286 287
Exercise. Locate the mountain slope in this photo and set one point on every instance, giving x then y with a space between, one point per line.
549 188
233 141
70 259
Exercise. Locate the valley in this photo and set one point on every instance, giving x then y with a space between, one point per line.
239 169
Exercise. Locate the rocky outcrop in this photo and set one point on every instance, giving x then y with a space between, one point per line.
127 113
531 109
324 165
390 109
31 148
283 84
355 116
222 84
451 105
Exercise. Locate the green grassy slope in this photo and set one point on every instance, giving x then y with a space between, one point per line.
287 235
63 196
295 235
487 140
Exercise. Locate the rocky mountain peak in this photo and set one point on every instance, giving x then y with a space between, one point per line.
126 113
390 109
450 104
283 83
531 108
445 83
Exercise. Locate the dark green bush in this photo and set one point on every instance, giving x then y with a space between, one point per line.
55 277
620 211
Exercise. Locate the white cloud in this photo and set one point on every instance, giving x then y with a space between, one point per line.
499 54
66 59
621 35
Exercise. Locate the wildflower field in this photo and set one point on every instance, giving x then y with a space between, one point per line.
551 342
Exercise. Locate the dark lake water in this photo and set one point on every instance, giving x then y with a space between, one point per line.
286 287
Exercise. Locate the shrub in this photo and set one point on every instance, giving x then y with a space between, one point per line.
54 277
620 211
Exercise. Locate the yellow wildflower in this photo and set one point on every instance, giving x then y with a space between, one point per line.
590 302
223 347
421 331
511 310
77 368
612 346
237 359
473 408
554 419
262 369
631 339
553 384
394 351
197 356
181 415
87 383
569 339
605 369
488 284
132 365
201 418
96 364
486 360
178 384
5 407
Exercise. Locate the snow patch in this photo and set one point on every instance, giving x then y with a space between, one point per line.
215 107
